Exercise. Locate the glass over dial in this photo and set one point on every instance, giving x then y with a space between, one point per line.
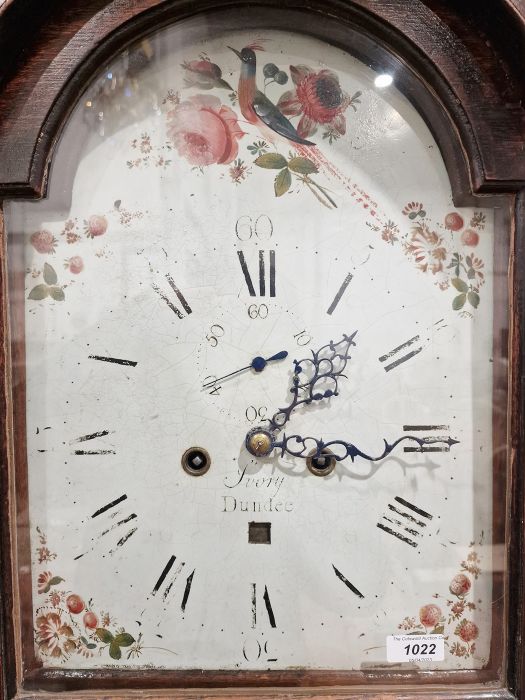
258 364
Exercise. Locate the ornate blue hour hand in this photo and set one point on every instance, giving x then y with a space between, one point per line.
315 378
258 364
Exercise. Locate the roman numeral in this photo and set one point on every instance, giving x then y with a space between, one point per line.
123 521
267 604
396 351
173 578
187 590
402 524
110 505
262 273
163 575
347 583
339 294
445 440
128 534
178 294
410 348
92 436
115 360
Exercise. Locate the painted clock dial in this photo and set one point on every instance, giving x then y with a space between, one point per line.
252 233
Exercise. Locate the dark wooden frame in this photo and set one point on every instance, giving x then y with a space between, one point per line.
463 72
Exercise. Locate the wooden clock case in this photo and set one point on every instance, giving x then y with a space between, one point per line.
460 62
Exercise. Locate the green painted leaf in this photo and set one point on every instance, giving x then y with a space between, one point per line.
50 276
473 299
54 581
57 293
91 646
422 212
114 651
272 161
303 166
438 629
124 639
84 640
459 302
471 273
460 285
104 635
39 292
282 182
412 215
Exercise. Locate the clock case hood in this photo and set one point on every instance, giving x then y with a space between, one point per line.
461 67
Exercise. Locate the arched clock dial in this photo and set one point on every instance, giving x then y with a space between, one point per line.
259 346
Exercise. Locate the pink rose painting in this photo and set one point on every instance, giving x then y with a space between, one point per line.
460 585
430 615
204 131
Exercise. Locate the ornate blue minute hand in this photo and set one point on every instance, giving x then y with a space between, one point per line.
261 442
258 364
350 450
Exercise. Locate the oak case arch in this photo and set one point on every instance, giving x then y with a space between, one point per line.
477 163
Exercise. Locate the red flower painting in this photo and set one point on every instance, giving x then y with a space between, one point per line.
318 98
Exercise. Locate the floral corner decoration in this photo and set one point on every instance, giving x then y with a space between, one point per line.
72 232
459 631
440 249
65 624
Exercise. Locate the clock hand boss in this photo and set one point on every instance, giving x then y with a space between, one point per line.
258 364
313 375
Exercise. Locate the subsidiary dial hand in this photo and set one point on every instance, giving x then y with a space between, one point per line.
258 364
315 378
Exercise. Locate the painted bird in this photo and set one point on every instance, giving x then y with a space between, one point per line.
258 109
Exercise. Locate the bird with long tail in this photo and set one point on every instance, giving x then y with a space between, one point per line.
259 110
